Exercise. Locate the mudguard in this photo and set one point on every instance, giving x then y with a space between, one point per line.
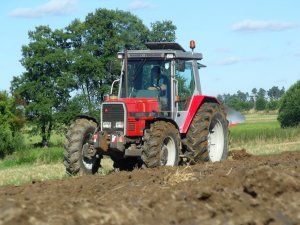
197 101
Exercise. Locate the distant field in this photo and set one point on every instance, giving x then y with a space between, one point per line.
258 118
261 134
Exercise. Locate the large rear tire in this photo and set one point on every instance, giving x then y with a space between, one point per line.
207 137
76 143
161 145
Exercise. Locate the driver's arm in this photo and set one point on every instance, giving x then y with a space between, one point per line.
151 88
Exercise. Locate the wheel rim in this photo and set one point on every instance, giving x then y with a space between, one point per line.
216 141
87 163
168 152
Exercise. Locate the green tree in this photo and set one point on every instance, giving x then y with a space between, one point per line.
95 43
254 91
11 121
239 101
260 104
274 93
164 31
261 93
46 84
272 105
289 110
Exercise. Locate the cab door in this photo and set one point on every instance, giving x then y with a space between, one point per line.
185 88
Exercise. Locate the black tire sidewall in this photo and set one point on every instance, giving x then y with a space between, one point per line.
76 137
197 136
158 132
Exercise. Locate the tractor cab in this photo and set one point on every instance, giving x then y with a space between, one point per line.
165 73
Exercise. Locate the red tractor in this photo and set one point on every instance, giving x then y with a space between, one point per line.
158 118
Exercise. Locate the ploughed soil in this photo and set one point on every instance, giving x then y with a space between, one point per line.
244 189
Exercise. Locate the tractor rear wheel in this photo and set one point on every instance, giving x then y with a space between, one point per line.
79 156
161 145
207 137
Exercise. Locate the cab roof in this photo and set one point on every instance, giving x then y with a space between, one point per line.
163 50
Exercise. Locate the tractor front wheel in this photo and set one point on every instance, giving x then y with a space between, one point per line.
161 145
79 156
207 137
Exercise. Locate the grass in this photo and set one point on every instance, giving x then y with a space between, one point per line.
55 140
38 164
33 156
33 163
28 173
261 134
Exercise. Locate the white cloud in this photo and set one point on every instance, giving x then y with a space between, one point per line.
256 26
136 5
235 60
52 7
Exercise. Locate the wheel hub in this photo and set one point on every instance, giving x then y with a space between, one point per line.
164 155
88 156
168 152
216 141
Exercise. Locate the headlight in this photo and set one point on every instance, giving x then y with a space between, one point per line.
106 124
119 125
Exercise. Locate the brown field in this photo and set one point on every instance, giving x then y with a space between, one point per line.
244 189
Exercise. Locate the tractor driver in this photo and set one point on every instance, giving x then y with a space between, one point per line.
160 82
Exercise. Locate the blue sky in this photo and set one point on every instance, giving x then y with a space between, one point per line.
245 44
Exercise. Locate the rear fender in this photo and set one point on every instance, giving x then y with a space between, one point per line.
196 103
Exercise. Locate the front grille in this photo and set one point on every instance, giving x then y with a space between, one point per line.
113 113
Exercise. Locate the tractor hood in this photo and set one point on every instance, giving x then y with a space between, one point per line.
139 107
139 110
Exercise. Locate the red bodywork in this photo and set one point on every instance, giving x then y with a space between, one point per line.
196 102
139 111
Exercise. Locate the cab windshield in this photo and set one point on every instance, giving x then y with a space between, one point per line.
148 78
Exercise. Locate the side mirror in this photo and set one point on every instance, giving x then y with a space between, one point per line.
200 65
112 86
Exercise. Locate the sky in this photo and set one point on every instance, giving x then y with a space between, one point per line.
245 44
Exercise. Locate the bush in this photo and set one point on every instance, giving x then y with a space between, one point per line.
272 105
33 156
289 110
10 141
260 104
10 123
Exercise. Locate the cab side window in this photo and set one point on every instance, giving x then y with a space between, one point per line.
186 84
